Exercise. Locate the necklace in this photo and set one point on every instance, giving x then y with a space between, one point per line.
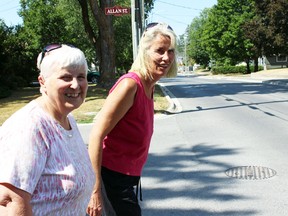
67 133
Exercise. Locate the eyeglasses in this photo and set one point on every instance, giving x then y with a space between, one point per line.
151 25
51 47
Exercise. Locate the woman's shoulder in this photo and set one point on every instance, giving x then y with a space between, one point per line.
23 120
26 117
128 81
24 112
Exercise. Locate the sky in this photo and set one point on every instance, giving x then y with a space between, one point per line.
178 14
8 12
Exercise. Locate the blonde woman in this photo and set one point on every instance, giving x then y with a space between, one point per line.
120 139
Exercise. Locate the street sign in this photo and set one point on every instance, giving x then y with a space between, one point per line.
117 11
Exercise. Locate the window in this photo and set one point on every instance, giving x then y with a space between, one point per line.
281 58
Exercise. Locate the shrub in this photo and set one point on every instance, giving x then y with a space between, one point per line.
4 91
229 69
233 69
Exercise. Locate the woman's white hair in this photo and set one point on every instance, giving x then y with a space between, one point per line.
63 57
142 63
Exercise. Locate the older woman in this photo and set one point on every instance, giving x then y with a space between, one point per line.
44 163
120 139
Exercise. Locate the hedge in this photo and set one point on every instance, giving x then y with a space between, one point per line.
4 91
233 69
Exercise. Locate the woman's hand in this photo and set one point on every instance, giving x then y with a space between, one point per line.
95 204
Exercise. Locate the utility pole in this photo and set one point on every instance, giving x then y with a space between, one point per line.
185 50
137 23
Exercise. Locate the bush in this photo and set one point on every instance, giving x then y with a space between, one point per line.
13 82
10 83
4 91
20 82
233 69
259 68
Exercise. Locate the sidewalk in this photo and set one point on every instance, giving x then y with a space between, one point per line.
273 77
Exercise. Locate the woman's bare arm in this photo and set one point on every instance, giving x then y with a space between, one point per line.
115 107
14 201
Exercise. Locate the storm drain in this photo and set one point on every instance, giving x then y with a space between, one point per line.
250 172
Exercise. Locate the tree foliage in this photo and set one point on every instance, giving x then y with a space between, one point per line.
224 38
196 50
230 32
14 60
268 28
102 38
110 37
105 40
240 30
53 21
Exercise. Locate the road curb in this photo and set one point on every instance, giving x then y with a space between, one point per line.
276 82
174 106
264 80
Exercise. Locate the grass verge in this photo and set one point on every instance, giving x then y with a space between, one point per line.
84 114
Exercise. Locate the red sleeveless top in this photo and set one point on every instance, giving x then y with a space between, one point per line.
125 148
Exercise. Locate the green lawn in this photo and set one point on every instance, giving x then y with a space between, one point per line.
84 114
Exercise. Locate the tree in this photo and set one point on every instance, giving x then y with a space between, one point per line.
15 68
63 21
195 49
4 33
123 43
43 22
268 28
223 36
103 39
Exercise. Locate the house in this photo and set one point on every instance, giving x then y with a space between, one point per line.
276 61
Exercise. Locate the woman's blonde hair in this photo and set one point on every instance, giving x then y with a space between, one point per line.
142 63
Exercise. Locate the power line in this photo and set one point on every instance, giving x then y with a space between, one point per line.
181 6
168 18
6 3
8 9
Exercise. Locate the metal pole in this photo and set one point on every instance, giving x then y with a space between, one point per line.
137 21
141 17
134 30
185 54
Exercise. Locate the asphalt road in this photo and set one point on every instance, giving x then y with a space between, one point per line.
223 125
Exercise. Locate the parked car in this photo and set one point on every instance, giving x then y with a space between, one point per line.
93 76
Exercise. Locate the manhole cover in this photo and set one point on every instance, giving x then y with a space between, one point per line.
250 172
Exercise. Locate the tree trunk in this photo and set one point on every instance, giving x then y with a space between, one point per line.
104 40
256 68
248 71
106 36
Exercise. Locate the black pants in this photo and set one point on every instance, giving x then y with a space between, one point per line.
120 192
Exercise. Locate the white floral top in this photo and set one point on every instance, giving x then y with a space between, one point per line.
39 156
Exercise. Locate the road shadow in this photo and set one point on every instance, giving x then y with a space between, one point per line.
186 178
223 87
174 178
